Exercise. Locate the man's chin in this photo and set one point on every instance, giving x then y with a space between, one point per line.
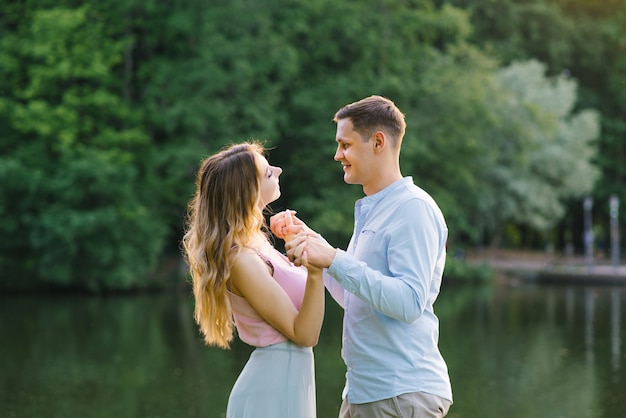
348 180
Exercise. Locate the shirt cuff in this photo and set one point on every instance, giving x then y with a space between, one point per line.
339 268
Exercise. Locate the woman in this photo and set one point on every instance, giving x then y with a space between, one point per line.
240 281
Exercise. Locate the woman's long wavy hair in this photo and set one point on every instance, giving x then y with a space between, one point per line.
223 216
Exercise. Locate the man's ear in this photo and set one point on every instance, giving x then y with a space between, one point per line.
379 141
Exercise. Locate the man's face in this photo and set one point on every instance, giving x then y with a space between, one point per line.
355 155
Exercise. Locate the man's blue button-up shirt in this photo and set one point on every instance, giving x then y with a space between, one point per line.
387 282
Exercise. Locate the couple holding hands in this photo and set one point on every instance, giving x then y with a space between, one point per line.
387 280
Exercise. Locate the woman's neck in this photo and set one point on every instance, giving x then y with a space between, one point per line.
260 243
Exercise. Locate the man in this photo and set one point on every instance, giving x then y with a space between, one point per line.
389 277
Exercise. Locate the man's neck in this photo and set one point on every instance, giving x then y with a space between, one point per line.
381 183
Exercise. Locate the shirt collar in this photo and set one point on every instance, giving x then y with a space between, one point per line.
380 195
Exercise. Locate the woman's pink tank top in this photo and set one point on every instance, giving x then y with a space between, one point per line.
253 329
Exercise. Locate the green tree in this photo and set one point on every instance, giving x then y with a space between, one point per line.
449 149
582 38
347 51
206 75
107 108
545 149
496 146
75 209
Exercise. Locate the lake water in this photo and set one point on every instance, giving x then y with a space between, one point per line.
512 351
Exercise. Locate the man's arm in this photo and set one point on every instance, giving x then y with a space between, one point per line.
414 247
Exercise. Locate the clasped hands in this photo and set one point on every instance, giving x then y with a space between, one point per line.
304 246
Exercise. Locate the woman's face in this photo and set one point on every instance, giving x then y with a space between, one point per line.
270 189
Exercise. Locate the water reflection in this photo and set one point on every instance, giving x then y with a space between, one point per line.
541 351
513 351
589 311
616 342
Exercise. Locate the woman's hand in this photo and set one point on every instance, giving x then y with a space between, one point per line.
285 225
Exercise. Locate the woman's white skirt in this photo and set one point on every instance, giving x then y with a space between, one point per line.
277 382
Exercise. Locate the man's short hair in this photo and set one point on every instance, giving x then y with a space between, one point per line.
374 113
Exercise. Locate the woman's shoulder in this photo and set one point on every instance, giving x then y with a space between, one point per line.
243 257
246 265
248 260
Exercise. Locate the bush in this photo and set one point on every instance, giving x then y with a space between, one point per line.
459 269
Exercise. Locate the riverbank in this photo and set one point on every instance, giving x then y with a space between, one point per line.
550 268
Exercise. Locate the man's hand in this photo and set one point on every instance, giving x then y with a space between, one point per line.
309 249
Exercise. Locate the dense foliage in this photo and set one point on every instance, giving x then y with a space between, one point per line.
583 39
107 107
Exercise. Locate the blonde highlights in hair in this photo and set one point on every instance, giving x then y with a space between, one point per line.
223 216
